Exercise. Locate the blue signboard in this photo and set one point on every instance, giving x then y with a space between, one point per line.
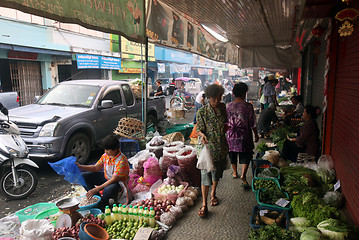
97 62
110 63
87 61
166 54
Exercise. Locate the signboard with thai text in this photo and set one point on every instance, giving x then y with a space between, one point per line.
125 18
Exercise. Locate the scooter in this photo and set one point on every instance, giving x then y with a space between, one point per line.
18 177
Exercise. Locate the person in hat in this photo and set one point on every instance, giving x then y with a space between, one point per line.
269 91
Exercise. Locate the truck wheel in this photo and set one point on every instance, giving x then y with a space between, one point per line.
79 147
151 121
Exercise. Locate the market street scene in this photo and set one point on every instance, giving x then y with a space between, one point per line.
164 119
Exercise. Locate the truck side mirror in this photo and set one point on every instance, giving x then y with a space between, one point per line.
5 111
106 104
36 98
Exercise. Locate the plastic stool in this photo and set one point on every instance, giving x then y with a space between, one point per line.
129 147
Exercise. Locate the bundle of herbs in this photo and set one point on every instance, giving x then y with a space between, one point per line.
280 135
298 179
272 232
271 197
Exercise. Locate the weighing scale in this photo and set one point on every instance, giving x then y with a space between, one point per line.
69 216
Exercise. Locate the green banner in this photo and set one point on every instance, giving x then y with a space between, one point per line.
120 17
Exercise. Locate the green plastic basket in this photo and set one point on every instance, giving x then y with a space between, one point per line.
259 170
185 129
33 210
269 179
48 213
270 205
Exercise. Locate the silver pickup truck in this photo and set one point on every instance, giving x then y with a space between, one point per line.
72 117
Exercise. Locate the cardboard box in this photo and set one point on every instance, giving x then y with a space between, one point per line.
175 113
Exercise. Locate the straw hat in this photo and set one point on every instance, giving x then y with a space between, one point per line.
271 77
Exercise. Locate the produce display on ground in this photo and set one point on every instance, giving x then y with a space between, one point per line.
295 200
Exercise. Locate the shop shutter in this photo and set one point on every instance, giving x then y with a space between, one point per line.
26 80
345 140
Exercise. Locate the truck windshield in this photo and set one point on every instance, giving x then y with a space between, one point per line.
70 95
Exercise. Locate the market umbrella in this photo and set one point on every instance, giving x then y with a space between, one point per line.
185 79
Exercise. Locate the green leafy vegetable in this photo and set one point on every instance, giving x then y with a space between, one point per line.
272 232
262 147
334 229
311 233
308 205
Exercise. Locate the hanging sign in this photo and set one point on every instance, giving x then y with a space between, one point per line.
112 16
168 27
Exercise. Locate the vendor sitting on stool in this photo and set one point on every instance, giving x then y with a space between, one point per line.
308 139
115 169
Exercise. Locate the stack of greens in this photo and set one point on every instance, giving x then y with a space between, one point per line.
273 232
280 135
298 179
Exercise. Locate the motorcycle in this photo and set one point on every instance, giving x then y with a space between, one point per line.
18 177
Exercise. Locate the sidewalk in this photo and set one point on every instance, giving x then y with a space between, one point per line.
229 220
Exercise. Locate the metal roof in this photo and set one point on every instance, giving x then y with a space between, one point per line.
254 23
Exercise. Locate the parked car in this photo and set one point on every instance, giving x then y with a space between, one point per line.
72 117
9 99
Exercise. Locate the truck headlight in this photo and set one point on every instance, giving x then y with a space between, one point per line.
48 130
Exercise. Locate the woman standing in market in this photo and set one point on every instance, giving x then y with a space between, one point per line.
211 127
241 123
115 169
308 139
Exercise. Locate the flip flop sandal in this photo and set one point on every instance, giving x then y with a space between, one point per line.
245 184
203 211
214 201
234 176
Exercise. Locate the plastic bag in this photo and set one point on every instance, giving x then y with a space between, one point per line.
36 229
205 161
326 162
156 146
168 218
173 146
169 158
272 156
152 168
69 169
333 198
194 133
140 188
138 160
133 180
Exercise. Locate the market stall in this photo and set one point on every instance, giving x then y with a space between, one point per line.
296 200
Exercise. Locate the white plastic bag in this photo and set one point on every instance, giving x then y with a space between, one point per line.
205 161
36 229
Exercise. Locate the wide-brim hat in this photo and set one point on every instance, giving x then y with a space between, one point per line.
271 77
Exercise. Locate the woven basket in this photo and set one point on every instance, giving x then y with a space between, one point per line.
130 128
173 137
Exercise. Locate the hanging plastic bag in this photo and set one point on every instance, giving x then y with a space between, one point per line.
205 161
69 169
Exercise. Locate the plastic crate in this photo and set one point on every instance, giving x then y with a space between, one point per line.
259 163
129 147
289 207
48 213
172 197
269 179
258 208
185 129
259 170
31 211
